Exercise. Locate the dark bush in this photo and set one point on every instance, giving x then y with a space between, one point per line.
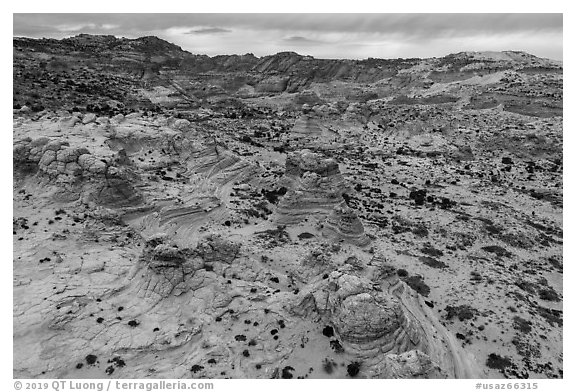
402 273
497 250
495 361
463 312
548 294
91 359
522 325
432 262
328 331
287 372
417 284
196 368
353 369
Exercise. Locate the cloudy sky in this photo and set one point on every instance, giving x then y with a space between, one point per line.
319 35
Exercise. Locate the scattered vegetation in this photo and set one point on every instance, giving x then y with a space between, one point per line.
462 312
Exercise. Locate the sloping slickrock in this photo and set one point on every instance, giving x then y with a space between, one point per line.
411 364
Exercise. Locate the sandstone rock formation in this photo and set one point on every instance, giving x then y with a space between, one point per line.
305 128
409 365
314 184
168 269
343 224
315 189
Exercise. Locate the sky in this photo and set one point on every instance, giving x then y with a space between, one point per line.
354 36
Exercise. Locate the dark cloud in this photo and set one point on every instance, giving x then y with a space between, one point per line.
405 35
299 40
209 30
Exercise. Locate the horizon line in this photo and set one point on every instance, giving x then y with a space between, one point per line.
286 51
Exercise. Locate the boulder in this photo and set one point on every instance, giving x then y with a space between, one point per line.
88 118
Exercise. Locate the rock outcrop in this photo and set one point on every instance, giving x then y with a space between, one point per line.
215 249
343 224
168 270
304 161
68 166
411 364
305 128
315 190
370 321
387 326
315 187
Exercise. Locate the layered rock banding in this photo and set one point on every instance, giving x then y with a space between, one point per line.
315 190
388 328
58 162
314 184
305 128
343 224
170 270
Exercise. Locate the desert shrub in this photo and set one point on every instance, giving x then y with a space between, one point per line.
432 262
353 369
402 273
496 361
417 284
497 250
463 312
522 325
549 294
